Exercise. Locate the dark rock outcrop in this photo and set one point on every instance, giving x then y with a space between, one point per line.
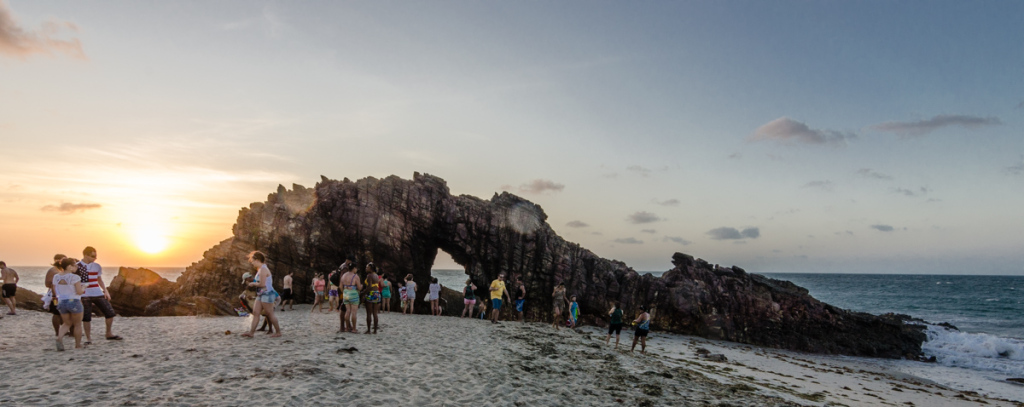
401 224
27 299
132 290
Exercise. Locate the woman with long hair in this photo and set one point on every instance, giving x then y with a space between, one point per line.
265 295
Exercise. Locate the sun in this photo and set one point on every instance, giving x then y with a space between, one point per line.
151 242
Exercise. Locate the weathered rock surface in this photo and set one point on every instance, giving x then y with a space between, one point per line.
132 290
26 299
401 224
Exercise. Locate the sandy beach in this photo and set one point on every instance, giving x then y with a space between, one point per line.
421 360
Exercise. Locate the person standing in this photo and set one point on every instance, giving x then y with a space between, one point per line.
410 295
498 292
287 296
468 298
435 296
614 324
574 312
372 295
68 286
10 287
265 296
644 327
559 300
520 298
318 290
350 288
48 281
96 295
385 292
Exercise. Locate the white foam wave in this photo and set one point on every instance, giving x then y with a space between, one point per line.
975 351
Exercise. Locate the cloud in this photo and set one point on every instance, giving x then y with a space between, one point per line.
629 240
735 156
651 231
844 233
1020 105
728 233
538 186
869 173
912 192
670 202
825 185
676 239
643 172
788 131
883 228
17 42
610 175
922 127
643 217
577 224
1015 169
68 207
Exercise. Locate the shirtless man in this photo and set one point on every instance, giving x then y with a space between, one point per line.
10 286
287 296
48 280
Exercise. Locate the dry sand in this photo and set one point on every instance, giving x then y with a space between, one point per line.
423 361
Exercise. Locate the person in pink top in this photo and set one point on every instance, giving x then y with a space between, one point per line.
318 290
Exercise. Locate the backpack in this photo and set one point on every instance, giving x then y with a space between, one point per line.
335 278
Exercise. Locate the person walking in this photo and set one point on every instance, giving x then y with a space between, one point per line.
614 323
498 292
265 296
68 287
10 287
520 298
51 305
644 327
287 296
559 302
318 291
96 295
350 288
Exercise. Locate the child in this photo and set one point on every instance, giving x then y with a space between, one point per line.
482 308
614 324
641 330
401 294
435 295
574 312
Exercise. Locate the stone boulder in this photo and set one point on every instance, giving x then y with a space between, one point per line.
400 225
132 290
189 306
28 300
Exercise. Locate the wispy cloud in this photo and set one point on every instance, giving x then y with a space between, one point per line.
651 231
643 217
629 240
735 156
824 185
641 171
869 173
538 186
728 233
883 228
922 127
912 192
1015 169
788 131
69 208
577 224
668 202
20 43
676 239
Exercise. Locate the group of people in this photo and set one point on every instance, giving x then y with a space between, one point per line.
75 288
375 289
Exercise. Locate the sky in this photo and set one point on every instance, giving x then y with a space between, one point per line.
785 136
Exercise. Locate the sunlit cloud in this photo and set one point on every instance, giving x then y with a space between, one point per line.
922 127
68 207
20 43
788 131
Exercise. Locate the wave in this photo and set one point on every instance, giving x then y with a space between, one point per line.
975 351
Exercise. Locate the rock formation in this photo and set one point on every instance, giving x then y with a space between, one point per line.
142 292
400 225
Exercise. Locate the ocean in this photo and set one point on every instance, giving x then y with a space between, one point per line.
988 310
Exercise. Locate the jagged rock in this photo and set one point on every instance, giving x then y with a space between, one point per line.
132 290
401 224
27 299
173 307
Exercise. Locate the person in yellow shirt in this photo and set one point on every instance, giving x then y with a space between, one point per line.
497 290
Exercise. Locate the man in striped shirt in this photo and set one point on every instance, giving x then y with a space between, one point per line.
95 294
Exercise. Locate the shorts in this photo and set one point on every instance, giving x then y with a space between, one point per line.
98 301
70 306
641 333
267 297
332 293
469 301
286 294
319 294
496 303
8 290
373 297
615 329
519 305
351 297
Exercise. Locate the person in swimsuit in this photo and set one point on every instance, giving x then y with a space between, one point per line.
410 295
558 297
644 327
574 312
371 292
469 298
318 290
614 324
332 296
435 295
287 296
10 286
350 288
385 292
68 287
265 296
520 298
